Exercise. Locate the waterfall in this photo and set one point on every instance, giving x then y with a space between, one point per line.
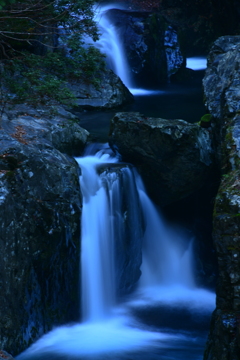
166 260
97 242
109 328
111 45
105 225
167 257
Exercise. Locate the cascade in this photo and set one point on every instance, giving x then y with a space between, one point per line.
112 328
111 45
166 259
142 325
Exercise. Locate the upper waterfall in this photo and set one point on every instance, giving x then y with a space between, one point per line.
111 45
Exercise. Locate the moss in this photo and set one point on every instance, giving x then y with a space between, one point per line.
233 248
206 118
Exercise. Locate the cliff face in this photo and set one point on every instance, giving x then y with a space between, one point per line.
222 93
40 206
151 45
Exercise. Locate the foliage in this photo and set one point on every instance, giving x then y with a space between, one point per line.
41 48
206 118
46 81
4 3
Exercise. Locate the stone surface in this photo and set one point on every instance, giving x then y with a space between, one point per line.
40 206
222 79
151 45
222 89
173 157
111 93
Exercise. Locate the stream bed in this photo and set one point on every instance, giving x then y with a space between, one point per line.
172 101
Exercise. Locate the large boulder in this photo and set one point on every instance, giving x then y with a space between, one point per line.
40 207
110 93
222 93
173 157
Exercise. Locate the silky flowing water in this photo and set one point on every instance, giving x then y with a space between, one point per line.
167 316
169 101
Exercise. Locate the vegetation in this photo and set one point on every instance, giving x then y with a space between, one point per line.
206 118
41 48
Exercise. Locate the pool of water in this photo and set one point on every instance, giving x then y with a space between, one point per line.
173 101
155 324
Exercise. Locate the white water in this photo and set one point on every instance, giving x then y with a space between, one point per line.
111 45
97 242
109 330
196 63
167 257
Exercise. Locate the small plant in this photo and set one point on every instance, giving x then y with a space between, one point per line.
35 67
205 120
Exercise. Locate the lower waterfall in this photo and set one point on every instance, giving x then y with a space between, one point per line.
151 322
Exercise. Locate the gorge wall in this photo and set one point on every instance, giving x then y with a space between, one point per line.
222 96
150 44
40 206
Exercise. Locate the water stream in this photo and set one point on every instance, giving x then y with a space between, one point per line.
170 101
145 324
167 316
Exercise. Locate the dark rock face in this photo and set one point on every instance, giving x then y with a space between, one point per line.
222 79
173 157
173 53
111 93
150 44
222 92
40 207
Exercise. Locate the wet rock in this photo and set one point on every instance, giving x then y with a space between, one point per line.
173 157
151 45
110 93
174 56
222 89
222 79
40 206
45 126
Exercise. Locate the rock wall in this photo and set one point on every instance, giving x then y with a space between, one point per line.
40 206
222 94
151 45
